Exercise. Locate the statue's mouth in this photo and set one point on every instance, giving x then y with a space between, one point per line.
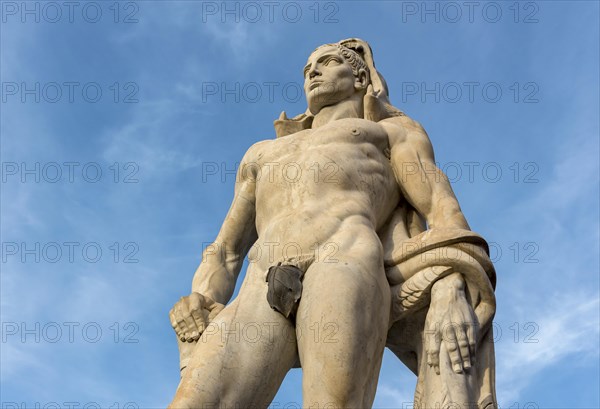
314 85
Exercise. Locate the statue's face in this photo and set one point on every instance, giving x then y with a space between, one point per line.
328 79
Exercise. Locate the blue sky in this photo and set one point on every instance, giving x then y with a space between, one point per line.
107 200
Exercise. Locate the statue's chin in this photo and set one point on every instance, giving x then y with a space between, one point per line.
320 98
314 111
317 101
315 107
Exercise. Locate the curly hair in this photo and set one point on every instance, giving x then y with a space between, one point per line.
353 58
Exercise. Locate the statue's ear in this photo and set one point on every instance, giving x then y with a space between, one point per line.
362 79
364 50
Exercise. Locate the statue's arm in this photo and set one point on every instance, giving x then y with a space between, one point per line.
222 261
214 281
428 190
422 183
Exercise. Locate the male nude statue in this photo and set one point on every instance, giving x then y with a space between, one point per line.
308 210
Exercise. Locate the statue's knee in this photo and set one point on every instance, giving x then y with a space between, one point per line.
331 403
347 399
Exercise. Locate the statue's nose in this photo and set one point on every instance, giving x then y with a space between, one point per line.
313 72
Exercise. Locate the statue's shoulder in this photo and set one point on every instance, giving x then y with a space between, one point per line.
251 162
405 131
404 122
257 146
257 150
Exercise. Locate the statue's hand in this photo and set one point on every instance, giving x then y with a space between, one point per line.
450 320
190 316
374 107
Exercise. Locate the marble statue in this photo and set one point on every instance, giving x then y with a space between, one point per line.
355 242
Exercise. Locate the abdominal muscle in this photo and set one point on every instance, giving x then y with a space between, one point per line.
322 191
324 229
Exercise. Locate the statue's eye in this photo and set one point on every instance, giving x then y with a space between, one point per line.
331 60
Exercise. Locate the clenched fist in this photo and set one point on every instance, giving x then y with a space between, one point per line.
191 315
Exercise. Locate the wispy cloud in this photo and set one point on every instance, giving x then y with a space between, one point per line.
152 139
568 328
559 294
242 40
168 53
393 395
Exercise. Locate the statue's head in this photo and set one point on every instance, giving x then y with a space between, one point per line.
334 73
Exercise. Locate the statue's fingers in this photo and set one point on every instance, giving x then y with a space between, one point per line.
453 348
180 322
463 346
471 333
200 323
174 322
184 319
195 305
469 328
433 350
191 329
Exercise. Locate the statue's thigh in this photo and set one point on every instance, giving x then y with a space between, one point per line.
243 355
342 324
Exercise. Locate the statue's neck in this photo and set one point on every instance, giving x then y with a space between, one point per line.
348 108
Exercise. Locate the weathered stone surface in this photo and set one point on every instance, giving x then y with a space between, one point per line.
344 194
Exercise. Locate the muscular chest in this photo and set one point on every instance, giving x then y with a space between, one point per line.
349 155
340 141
